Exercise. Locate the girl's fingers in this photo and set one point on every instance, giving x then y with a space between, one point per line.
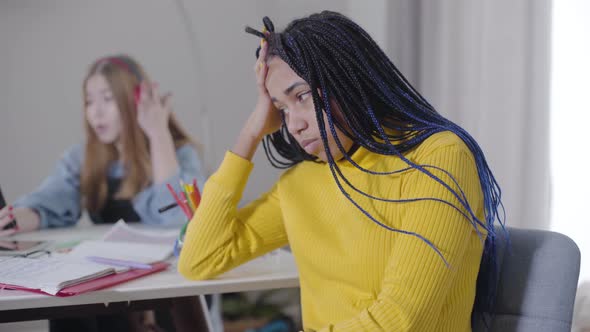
259 72
8 244
261 56
5 210
261 78
261 67
149 95
7 232
167 100
143 95
6 219
146 92
155 93
263 49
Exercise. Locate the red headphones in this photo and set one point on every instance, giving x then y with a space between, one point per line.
131 68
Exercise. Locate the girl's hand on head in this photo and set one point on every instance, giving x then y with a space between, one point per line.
265 119
153 110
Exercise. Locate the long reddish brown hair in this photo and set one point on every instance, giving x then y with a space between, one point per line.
122 74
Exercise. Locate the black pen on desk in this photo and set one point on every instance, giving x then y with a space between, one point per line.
167 207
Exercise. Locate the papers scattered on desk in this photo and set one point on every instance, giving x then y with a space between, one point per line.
124 247
122 232
49 275
133 252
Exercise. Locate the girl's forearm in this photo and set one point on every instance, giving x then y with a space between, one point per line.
163 156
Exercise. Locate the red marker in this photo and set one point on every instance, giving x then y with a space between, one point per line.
180 202
196 193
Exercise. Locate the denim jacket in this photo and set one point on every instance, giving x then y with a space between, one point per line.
58 198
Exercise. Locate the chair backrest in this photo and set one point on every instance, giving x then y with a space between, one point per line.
538 282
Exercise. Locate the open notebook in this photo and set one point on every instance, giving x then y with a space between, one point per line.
49 275
60 273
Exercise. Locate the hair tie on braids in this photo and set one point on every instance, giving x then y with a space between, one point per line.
268 27
255 32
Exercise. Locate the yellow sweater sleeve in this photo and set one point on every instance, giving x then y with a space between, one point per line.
221 237
416 280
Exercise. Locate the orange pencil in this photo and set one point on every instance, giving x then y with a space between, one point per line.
191 198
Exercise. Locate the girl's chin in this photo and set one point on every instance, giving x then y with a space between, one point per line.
106 139
322 157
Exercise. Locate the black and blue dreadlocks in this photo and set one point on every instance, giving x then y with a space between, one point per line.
382 112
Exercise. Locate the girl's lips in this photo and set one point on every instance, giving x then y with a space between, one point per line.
310 146
101 129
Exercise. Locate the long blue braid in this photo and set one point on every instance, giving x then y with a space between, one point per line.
339 59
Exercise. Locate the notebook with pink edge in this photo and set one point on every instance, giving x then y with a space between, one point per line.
99 283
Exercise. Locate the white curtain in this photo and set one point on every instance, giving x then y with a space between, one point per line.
485 65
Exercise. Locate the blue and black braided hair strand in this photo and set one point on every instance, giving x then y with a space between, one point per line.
382 113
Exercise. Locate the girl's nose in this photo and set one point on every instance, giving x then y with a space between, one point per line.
296 123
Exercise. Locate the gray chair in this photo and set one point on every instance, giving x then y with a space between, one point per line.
538 282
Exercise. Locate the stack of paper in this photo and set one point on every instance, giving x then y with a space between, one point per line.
121 232
141 253
124 247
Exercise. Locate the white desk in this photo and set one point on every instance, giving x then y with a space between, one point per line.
278 271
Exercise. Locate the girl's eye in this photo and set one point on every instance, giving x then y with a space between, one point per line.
303 96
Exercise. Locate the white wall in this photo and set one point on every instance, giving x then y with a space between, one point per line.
46 48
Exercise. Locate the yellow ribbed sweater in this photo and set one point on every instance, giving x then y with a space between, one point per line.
354 274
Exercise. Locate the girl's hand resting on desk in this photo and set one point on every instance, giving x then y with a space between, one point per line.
153 110
27 220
